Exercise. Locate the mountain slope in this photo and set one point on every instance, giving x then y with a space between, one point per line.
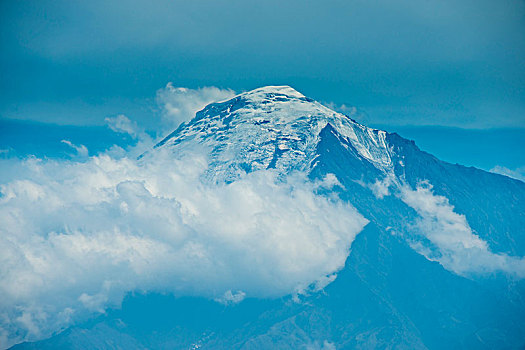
440 265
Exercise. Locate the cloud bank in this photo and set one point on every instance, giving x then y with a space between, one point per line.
77 236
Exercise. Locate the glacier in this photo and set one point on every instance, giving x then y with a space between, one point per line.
440 263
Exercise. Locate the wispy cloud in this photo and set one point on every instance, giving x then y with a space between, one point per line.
123 124
80 150
449 238
518 173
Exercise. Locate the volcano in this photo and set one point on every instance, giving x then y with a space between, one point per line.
440 263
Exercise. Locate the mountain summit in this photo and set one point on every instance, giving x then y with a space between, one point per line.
439 265
273 127
276 127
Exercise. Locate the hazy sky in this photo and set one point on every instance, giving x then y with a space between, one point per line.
433 62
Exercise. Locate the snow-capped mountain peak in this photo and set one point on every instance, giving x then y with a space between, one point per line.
440 264
272 127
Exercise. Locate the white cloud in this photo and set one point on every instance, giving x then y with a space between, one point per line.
179 104
381 188
122 124
80 150
76 236
518 173
230 297
450 240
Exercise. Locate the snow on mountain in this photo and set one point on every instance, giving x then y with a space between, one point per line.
272 127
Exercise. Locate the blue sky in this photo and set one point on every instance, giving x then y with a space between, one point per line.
452 63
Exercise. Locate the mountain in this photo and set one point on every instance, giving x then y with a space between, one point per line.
272 127
439 265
